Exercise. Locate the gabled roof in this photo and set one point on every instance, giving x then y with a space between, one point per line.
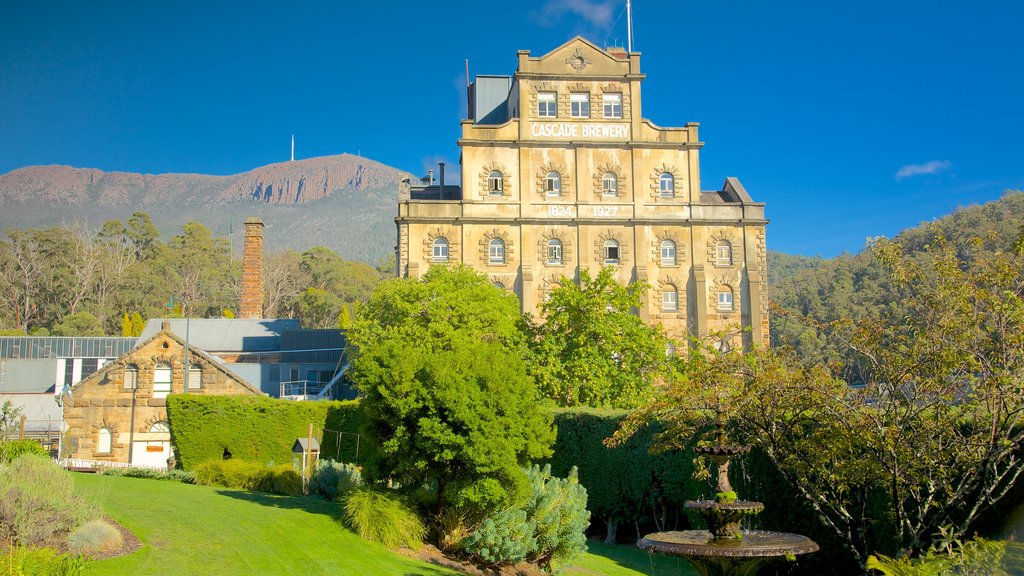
194 351
581 40
227 334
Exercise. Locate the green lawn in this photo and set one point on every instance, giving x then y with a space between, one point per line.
188 529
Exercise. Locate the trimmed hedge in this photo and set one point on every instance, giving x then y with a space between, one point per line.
258 428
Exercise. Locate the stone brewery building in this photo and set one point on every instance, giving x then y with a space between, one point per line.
561 172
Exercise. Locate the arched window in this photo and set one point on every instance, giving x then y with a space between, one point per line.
160 426
496 252
131 377
105 442
440 250
669 299
553 184
195 377
609 184
494 183
668 253
611 252
667 185
723 253
161 380
498 285
554 251
725 300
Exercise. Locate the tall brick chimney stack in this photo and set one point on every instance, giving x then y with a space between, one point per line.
252 270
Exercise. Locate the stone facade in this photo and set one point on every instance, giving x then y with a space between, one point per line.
119 413
558 187
251 305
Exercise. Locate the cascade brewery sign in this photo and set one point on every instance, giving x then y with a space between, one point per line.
572 130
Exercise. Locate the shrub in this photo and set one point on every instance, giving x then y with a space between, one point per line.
547 529
335 479
11 449
503 538
383 517
152 474
94 536
282 479
21 560
38 501
229 473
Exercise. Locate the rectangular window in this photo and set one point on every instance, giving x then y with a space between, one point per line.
131 378
669 301
195 378
725 301
546 105
579 105
89 365
613 105
161 382
69 371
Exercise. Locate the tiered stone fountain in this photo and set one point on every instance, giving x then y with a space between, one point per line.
724 549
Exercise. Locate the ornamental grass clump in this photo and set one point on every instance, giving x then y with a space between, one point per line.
94 536
38 501
12 449
381 516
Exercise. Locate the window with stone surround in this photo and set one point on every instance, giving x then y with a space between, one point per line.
613 105
440 250
609 184
494 183
547 105
195 377
553 184
725 299
668 253
105 441
555 252
669 299
131 377
723 253
579 105
161 380
666 185
496 251
611 252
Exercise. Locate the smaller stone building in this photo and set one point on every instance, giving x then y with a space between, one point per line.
119 413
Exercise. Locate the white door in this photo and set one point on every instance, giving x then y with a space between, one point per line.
150 454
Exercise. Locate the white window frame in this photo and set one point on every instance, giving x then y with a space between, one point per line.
609 184
547 105
613 105
610 245
105 441
160 426
439 250
668 253
553 184
723 253
495 183
579 104
161 388
496 251
667 185
725 301
554 252
195 378
670 300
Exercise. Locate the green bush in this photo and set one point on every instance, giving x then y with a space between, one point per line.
152 474
11 449
38 501
548 529
258 428
282 479
503 538
383 517
25 561
94 536
335 479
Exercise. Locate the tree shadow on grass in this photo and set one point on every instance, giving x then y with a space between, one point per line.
311 504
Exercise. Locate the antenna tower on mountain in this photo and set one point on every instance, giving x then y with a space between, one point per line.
293 147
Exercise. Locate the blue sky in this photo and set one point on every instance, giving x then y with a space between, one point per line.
849 119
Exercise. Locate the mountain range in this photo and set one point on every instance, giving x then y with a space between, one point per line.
344 202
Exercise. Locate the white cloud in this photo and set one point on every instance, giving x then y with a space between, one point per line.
597 13
933 167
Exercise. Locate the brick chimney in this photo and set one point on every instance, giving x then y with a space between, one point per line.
252 270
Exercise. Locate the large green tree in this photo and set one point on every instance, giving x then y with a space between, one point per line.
448 400
592 349
933 439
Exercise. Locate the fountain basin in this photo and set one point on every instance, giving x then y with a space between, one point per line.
723 518
728 557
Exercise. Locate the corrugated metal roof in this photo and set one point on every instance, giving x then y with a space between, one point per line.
64 346
227 334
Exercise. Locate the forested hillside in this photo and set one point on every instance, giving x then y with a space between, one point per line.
72 281
856 287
